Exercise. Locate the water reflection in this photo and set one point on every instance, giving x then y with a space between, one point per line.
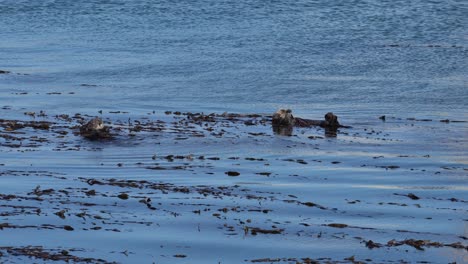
330 132
283 130
288 131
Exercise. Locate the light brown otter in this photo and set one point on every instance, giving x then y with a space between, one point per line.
283 117
95 129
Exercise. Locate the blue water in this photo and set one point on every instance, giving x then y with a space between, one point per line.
352 57
359 59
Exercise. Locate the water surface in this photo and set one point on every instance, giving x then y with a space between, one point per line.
346 56
134 60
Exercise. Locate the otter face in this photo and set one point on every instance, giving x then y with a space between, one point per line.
96 123
283 117
100 125
331 119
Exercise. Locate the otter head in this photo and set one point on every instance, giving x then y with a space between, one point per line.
332 120
96 123
283 117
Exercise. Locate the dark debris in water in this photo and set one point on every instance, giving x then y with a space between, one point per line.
371 244
308 260
421 244
232 173
185 125
91 207
412 196
256 230
47 255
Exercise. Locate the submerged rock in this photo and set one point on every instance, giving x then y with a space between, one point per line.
95 129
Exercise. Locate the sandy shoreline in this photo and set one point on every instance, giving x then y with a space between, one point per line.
224 188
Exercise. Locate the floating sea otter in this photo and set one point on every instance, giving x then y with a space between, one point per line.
95 129
283 121
283 117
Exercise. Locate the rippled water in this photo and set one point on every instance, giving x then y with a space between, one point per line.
134 60
379 57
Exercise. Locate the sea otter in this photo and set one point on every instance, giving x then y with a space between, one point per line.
283 117
283 121
330 122
95 129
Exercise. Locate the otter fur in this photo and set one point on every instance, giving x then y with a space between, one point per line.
95 129
331 121
283 117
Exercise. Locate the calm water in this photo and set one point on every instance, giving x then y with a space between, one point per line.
351 57
359 59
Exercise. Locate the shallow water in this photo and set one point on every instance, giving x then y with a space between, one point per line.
298 186
359 59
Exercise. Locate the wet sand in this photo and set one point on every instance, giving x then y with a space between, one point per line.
174 187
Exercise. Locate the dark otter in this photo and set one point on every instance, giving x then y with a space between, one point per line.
95 129
331 122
